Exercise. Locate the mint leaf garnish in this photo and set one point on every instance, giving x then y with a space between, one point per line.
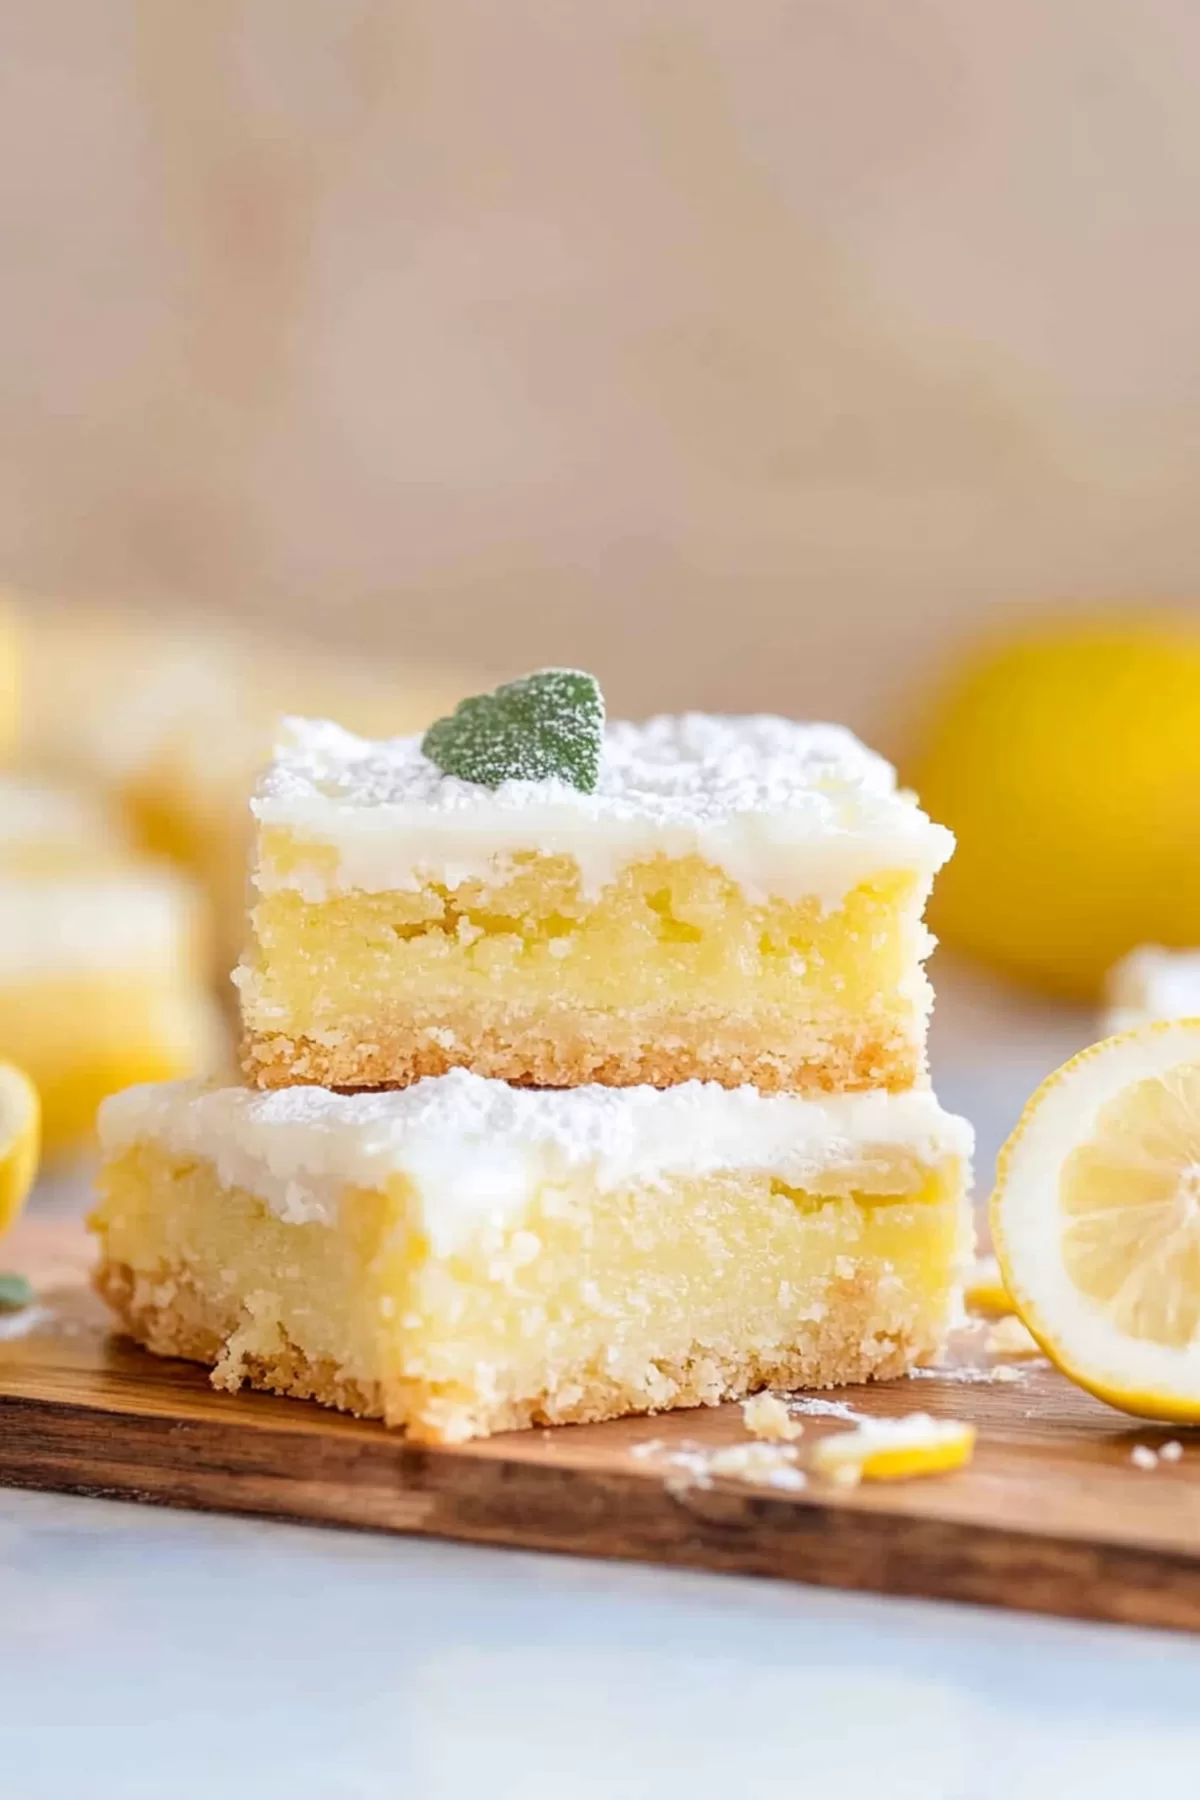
15 1292
546 725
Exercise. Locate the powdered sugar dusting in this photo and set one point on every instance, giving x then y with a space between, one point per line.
818 1408
477 1149
966 1375
687 769
745 793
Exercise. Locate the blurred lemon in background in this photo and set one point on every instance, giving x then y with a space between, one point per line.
20 1140
1068 764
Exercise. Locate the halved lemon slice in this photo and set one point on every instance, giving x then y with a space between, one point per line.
1096 1219
20 1140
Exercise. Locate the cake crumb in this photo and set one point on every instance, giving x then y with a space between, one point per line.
1005 1372
760 1465
1143 1457
767 1417
965 1376
1009 1337
1171 1451
689 1465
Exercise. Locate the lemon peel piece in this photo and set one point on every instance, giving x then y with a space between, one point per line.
984 1290
894 1449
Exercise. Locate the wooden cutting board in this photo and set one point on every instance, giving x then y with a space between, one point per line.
1051 1516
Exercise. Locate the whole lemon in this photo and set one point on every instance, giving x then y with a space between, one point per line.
1068 763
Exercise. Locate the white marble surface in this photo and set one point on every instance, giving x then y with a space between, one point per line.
150 1655
147 1654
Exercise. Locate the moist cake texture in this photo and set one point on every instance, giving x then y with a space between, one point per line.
464 1257
739 900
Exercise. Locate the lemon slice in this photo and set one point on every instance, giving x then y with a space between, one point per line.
1096 1219
894 1449
20 1140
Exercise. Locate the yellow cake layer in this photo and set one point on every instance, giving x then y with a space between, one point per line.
475 1291
670 973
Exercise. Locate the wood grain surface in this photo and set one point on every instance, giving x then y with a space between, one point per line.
1052 1516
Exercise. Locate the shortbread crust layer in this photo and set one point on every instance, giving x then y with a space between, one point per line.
576 1049
170 1313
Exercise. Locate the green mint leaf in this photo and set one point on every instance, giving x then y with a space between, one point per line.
15 1292
546 725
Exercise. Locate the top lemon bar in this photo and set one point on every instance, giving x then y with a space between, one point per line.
729 899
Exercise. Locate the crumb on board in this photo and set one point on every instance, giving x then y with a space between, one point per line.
819 1408
964 1375
690 1465
1143 1457
766 1416
762 1465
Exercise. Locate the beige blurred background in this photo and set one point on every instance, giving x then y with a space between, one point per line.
745 353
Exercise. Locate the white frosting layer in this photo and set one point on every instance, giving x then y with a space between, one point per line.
785 809
477 1152
1151 983
102 921
36 813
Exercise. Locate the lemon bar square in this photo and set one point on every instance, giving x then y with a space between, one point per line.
47 827
462 1257
101 984
739 900
172 719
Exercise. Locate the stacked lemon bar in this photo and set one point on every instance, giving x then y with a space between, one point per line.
585 1075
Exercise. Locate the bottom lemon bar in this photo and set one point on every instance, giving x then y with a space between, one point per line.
462 1257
